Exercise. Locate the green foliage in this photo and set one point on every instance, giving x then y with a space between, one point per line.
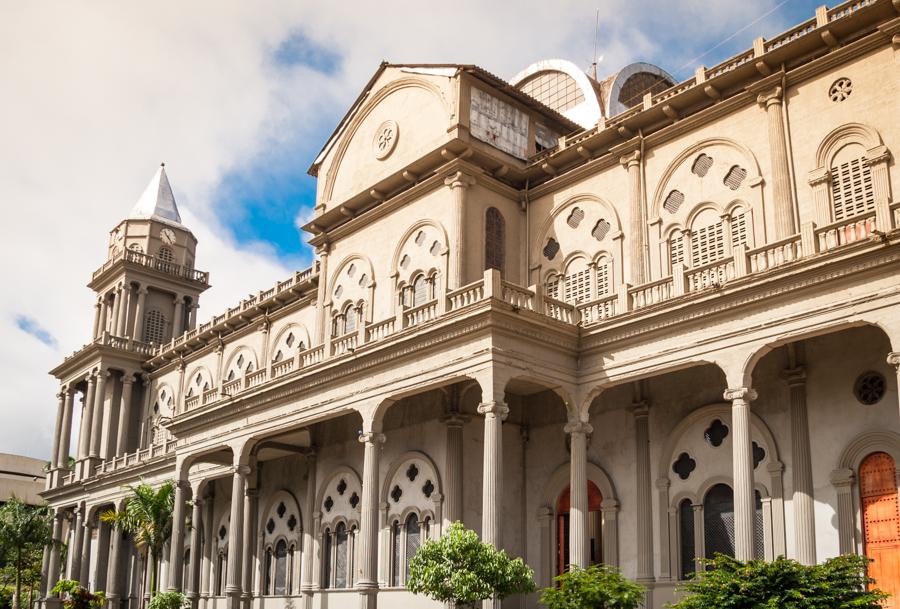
147 518
6 596
24 531
460 568
598 587
168 600
839 583
76 596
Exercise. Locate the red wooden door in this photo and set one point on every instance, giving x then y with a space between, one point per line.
563 507
881 523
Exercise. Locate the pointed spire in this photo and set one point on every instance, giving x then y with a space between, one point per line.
157 202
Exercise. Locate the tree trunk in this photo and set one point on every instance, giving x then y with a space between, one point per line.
17 601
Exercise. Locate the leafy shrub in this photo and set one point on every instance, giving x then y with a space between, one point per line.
462 569
168 600
598 587
76 596
839 583
6 596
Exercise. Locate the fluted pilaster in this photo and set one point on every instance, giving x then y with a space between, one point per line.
368 547
77 543
124 415
113 578
578 486
307 578
772 101
62 454
138 332
176 543
193 585
801 469
742 462
87 415
492 484
53 566
632 164
251 503
459 184
454 466
98 416
644 491
893 359
235 533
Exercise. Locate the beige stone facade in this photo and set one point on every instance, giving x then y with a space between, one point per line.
681 301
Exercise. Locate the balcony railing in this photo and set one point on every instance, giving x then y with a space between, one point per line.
117 342
152 262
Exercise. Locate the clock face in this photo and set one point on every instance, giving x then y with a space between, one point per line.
168 236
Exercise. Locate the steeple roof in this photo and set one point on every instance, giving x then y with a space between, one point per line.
157 202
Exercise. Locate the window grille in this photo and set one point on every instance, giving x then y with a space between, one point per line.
154 327
701 165
551 288
673 201
852 191
165 254
688 552
739 229
735 177
280 568
267 588
341 542
707 244
326 562
554 89
349 319
551 249
600 230
718 521
676 249
494 240
603 278
578 286
575 217
759 540
413 540
419 291
395 553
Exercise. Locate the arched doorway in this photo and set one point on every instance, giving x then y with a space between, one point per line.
881 523
595 521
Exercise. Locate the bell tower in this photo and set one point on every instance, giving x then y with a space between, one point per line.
147 293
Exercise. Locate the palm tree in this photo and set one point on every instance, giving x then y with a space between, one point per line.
24 531
147 518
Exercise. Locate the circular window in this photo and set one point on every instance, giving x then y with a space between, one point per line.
385 139
869 388
840 89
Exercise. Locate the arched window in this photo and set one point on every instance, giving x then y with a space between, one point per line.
267 588
740 225
688 549
327 552
164 254
595 522
396 540
281 568
551 288
413 540
707 238
186 567
852 191
603 277
419 291
221 562
718 521
577 284
676 249
154 327
494 240
350 320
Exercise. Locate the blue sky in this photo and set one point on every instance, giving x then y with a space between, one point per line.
264 196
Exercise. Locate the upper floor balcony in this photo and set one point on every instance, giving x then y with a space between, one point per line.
133 258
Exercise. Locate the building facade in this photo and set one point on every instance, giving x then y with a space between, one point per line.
624 320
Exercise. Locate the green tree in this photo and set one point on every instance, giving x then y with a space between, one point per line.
461 569
147 518
76 596
24 531
839 583
598 586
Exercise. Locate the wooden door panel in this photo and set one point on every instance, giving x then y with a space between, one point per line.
881 523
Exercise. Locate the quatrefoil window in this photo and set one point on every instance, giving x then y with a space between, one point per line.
427 489
840 89
281 509
289 340
396 493
412 472
551 249
385 139
684 465
759 453
354 500
329 503
342 486
292 522
575 217
223 532
270 526
716 433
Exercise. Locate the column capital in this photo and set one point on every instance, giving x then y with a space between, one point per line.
243 470
494 409
544 514
371 437
640 410
893 359
142 291
459 180
631 159
127 378
251 492
842 478
795 377
455 419
663 483
771 97
745 394
819 176
578 427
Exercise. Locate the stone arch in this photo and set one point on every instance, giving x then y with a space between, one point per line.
192 387
867 443
403 507
363 113
299 331
409 233
234 355
282 528
545 231
355 291
342 508
856 133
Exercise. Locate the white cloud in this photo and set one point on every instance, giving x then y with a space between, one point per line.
97 94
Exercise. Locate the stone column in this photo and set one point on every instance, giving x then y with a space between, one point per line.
368 551
209 541
97 419
742 462
578 485
84 573
492 484
176 544
124 310
236 532
62 456
643 507
801 470
459 185
307 577
138 333
101 565
772 101
322 294
893 359
77 543
107 437
842 480
632 163
87 414
251 501
192 316
117 305
99 314
178 321
124 414
545 519
53 566
454 466
113 579
193 584
58 430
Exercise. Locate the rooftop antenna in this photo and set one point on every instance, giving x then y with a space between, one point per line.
595 58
